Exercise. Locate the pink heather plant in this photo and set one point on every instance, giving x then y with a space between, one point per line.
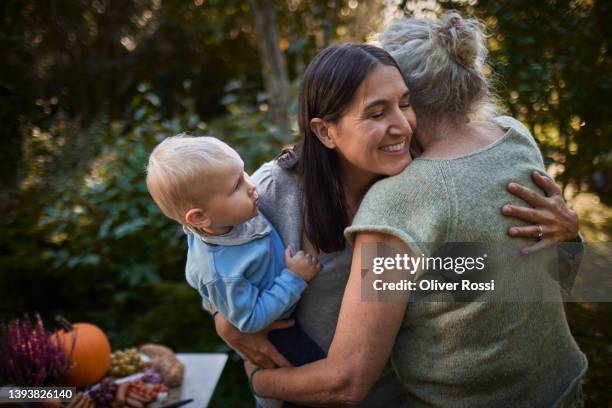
29 356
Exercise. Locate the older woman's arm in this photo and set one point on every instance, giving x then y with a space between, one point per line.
358 353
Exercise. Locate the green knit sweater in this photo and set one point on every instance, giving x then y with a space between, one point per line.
486 353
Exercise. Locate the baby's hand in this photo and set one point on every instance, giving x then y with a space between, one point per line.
303 264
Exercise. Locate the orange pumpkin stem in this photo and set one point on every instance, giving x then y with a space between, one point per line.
63 323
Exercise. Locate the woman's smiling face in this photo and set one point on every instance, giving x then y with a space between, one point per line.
373 135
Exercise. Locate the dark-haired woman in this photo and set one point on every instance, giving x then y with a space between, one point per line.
357 123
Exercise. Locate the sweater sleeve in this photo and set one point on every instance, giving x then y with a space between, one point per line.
415 206
570 257
250 309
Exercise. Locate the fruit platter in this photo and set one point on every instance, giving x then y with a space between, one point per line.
79 355
148 376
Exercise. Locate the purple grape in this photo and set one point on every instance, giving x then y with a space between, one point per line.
151 376
105 393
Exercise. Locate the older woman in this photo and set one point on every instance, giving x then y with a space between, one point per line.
357 122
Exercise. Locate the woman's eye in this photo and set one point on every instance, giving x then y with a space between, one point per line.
405 105
377 115
237 186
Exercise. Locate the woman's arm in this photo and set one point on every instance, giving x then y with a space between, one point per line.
362 343
558 223
254 347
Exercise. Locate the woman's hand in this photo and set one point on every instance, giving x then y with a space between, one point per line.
254 347
249 368
554 221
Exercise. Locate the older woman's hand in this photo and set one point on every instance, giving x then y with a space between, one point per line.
254 347
554 221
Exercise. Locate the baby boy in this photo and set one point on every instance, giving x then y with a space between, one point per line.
235 259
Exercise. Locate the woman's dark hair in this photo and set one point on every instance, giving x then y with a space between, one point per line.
328 88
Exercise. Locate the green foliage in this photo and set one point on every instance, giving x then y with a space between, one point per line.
90 87
80 62
553 62
248 126
106 227
99 249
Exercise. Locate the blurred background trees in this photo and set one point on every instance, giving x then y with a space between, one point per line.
87 88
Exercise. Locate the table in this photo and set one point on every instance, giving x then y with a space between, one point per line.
202 372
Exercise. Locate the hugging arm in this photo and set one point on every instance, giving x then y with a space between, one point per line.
558 223
362 343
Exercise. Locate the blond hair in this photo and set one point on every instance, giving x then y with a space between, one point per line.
180 169
443 62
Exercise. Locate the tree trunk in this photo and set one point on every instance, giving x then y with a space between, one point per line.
273 65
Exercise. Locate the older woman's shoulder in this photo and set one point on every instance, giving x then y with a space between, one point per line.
510 123
419 174
422 187
412 205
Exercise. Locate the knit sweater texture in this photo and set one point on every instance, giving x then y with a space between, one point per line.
485 353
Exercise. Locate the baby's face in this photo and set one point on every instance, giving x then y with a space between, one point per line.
235 198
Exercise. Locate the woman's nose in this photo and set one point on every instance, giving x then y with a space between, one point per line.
400 125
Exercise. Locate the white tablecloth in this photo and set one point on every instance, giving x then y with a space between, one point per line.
202 372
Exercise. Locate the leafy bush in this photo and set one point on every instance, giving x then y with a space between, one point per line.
101 245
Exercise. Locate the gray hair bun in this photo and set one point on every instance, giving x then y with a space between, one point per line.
443 63
462 39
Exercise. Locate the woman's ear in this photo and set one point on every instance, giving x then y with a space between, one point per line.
198 218
323 131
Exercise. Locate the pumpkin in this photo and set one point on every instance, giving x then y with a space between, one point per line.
89 350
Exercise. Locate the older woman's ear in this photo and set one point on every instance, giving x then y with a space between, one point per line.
323 132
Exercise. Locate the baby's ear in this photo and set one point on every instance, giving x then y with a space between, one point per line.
198 218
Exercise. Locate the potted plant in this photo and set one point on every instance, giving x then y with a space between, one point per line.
31 357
